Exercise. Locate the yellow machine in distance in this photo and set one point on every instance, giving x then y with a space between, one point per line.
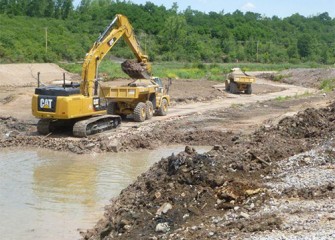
238 81
81 106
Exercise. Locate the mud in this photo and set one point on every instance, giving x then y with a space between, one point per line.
211 128
224 193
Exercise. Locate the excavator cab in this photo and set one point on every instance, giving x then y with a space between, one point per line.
158 81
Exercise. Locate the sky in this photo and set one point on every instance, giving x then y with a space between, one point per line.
269 8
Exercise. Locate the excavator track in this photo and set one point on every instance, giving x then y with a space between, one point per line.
94 125
43 126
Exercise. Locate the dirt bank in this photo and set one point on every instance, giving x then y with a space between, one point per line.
25 74
248 186
302 77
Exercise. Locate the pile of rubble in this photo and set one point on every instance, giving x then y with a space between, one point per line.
233 191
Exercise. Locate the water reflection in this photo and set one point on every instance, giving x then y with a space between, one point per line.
65 180
49 195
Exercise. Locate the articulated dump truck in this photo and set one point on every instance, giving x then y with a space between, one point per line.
142 98
238 81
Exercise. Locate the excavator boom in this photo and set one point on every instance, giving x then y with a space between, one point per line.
119 27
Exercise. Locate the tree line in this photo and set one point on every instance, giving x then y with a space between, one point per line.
55 30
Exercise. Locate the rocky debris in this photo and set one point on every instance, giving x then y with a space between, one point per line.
11 128
236 189
303 194
164 208
162 227
13 124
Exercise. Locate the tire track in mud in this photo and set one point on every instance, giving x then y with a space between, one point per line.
231 99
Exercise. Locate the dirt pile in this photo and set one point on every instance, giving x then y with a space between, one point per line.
135 69
302 77
226 192
26 74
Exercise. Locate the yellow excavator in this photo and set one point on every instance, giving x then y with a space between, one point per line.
79 105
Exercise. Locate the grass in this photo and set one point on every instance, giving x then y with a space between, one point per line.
296 96
283 98
236 105
279 77
178 70
107 69
327 85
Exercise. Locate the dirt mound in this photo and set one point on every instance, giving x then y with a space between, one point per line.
26 74
214 195
302 77
308 124
174 191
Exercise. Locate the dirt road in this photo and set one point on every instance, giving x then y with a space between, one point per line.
194 103
241 99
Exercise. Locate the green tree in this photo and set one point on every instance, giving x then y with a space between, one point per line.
173 33
305 45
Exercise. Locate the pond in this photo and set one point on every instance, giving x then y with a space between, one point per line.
50 195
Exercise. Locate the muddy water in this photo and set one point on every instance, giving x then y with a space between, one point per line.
49 195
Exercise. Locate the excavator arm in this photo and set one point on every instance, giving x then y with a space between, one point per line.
119 27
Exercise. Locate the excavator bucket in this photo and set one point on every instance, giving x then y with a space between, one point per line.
135 69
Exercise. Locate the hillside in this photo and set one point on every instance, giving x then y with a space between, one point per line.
49 33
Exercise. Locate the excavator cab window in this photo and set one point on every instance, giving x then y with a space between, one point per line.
158 81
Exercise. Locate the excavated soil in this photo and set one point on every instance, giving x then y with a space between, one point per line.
247 186
303 77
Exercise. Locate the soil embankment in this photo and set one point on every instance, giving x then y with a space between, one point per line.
248 186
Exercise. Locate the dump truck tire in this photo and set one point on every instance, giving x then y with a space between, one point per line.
233 87
140 112
123 116
162 111
248 90
149 109
226 83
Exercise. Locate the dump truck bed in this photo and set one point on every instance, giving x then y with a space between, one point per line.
244 79
126 92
